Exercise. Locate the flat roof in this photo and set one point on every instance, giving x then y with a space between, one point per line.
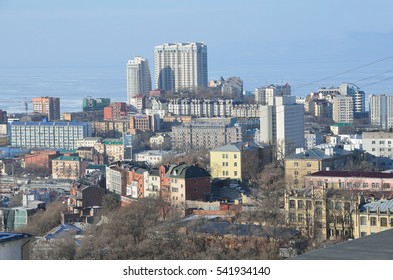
377 246
8 236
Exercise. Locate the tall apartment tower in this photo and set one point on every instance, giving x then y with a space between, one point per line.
47 105
282 124
358 97
138 78
262 94
180 66
381 111
343 109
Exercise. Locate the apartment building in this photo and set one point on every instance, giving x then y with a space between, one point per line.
68 167
49 106
379 143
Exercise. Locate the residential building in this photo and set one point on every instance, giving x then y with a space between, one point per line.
381 111
343 109
188 182
372 217
341 128
138 78
85 200
263 94
156 107
91 104
282 124
137 103
47 105
114 149
48 135
153 186
115 111
3 117
359 180
112 129
83 116
180 66
116 179
160 141
320 108
144 123
312 139
3 140
233 87
240 160
152 157
320 158
68 167
378 143
88 142
207 134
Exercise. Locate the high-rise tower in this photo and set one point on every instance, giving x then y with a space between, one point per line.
47 105
180 66
138 78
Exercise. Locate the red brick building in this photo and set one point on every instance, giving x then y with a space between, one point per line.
116 110
40 159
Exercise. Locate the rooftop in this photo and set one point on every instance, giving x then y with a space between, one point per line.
7 236
68 158
236 147
377 246
187 171
359 174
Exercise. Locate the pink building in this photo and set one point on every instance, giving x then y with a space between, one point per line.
375 181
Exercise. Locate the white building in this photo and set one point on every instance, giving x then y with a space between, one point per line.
343 109
282 124
161 141
46 135
379 144
138 77
153 157
263 94
381 111
180 66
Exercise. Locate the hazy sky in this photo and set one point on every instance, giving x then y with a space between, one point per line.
243 37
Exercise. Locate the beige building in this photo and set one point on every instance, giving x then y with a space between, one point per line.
114 149
47 105
236 161
343 109
68 167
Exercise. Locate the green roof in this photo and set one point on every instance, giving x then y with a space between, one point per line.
341 124
186 171
68 158
113 142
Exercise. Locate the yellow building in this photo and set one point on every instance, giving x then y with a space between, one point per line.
68 167
314 160
373 217
3 140
114 149
238 160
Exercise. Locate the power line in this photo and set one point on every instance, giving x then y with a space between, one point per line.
372 76
377 82
347 71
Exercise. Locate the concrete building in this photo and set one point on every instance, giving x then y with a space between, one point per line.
312 139
282 124
144 123
233 87
115 111
381 111
152 157
14 246
263 94
240 160
207 134
379 143
320 108
111 129
137 103
180 66
91 104
114 149
161 141
3 117
318 159
47 105
68 167
48 135
40 159
343 109
138 78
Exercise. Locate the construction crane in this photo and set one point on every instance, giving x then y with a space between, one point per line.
25 102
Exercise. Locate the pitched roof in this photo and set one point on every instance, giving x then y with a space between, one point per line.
237 147
319 154
8 236
361 174
187 171
381 205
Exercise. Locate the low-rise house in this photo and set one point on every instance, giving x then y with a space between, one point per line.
68 167
14 246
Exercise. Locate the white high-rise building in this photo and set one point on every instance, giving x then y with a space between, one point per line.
343 109
282 124
180 66
263 94
138 78
381 111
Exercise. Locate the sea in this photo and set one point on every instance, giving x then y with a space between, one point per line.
72 84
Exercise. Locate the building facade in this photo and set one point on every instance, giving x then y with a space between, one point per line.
180 66
379 143
381 111
138 78
47 135
47 105
263 94
282 124
68 167
343 109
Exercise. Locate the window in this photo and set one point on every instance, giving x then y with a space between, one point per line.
318 212
296 173
300 204
300 218
308 164
318 202
292 204
384 222
372 142
308 204
292 217
320 183
295 164
363 220
385 186
235 164
373 221
235 173
235 156
365 185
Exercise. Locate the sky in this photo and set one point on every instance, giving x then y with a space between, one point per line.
260 41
